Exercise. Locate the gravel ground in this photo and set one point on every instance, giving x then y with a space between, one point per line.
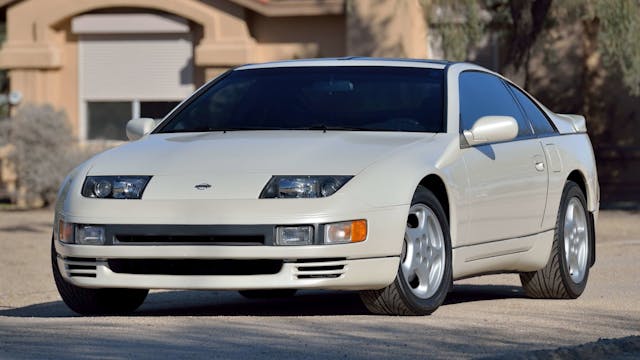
483 317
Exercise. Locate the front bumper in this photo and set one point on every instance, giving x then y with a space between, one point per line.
343 274
369 264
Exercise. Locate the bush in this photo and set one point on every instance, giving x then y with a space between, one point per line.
45 150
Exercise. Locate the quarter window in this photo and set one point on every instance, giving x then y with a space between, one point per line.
540 122
483 94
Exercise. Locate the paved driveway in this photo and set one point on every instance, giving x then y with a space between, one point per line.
486 316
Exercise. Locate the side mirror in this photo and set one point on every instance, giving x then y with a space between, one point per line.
138 128
490 129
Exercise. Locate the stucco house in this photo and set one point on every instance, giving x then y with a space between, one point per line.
106 61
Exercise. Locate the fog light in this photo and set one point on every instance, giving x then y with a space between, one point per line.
345 232
90 235
65 232
294 235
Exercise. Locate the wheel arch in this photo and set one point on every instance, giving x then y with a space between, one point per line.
437 186
578 177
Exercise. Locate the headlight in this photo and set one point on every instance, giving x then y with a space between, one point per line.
115 187
303 186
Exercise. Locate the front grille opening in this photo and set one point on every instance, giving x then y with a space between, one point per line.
320 268
82 275
192 239
81 267
77 259
325 276
195 267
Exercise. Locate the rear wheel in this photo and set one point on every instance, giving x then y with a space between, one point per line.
424 275
268 294
96 301
565 275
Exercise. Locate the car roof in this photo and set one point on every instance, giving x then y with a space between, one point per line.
351 61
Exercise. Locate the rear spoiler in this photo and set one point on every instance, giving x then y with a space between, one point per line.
570 123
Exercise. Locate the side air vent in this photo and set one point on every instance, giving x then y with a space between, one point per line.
80 267
320 268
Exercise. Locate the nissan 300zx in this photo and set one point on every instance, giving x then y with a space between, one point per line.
390 177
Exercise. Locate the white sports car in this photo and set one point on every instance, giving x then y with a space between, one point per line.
392 177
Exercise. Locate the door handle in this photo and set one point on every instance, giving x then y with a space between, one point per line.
539 166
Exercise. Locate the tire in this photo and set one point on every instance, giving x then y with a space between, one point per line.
96 301
268 294
562 278
411 293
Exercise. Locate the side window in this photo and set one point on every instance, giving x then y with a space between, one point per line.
483 94
539 121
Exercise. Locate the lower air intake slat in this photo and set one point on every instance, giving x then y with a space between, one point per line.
80 267
321 268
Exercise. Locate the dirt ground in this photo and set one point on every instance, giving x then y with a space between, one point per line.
487 316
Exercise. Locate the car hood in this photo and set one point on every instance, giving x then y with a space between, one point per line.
274 152
239 163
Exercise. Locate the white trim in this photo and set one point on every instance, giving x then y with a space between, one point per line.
82 104
135 109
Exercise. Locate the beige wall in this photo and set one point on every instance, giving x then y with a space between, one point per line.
386 28
68 94
298 37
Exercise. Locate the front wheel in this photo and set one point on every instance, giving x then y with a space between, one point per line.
566 273
424 274
95 301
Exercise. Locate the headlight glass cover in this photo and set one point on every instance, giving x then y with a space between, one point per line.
303 186
115 187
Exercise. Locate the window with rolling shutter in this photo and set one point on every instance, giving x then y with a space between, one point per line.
143 72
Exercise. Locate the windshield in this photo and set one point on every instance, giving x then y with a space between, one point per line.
317 98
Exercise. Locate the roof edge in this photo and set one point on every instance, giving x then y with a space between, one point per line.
275 8
5 3
348 61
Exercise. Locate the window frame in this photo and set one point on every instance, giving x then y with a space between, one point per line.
520 109
535 103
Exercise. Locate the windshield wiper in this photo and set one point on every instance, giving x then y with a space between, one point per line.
210 129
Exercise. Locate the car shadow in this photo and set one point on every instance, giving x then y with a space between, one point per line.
474 293
230 303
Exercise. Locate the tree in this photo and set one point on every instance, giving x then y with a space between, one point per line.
604 58
459 25
611 29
